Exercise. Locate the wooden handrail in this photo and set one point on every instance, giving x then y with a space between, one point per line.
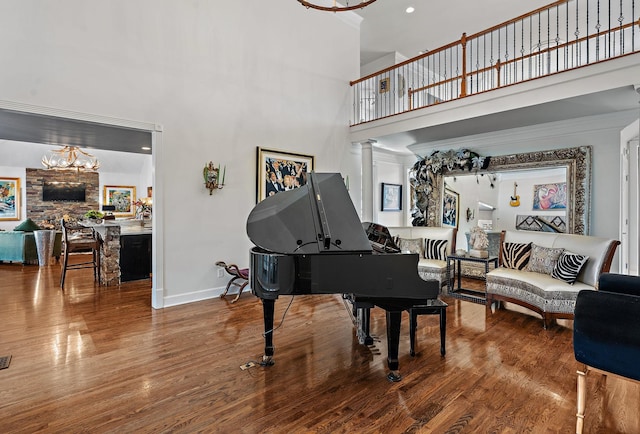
461 41
438 83
406 62
558 47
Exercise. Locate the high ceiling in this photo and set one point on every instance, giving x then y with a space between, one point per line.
387 28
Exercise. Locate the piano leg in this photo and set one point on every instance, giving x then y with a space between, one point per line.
394 318
268 308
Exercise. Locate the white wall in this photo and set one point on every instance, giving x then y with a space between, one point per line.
473 189
388 169
630 199
505 213
220 77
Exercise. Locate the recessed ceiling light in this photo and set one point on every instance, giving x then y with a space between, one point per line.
410 10
146 148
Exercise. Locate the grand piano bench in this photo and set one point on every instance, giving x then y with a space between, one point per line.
433 307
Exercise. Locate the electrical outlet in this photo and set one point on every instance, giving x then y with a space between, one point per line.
220 272
247 366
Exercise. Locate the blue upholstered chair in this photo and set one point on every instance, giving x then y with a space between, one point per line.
606 334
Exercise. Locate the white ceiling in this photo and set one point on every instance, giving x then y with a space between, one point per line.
387 28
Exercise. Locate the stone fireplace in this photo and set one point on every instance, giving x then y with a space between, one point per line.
40 210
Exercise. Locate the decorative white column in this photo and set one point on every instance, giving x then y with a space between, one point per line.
367 180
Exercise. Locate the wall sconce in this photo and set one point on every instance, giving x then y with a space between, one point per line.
212 178
470 215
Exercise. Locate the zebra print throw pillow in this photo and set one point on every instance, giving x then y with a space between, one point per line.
568 267
435 249
515 255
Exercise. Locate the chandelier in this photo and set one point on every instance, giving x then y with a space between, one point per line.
336 6
70 157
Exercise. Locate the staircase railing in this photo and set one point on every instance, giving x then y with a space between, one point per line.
562 36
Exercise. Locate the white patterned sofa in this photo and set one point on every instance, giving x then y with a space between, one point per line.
433 261
541 280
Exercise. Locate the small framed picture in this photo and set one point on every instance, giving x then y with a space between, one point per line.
10 204
550 196
280 171
391 197
450 208
384 85
122 197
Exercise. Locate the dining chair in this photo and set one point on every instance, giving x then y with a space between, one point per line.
78 239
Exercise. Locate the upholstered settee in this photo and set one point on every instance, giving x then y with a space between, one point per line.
433 244
545 271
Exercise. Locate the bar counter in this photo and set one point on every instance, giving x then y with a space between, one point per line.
125 252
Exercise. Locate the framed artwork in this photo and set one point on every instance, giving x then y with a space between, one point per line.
10 204
450 208
122 197
391 197
280 171
384 85
550 196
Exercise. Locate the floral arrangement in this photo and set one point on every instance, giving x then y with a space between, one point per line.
423 175
93 214
143 208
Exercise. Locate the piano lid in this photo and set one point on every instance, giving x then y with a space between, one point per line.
315 218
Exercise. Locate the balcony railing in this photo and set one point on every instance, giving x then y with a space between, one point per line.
562 36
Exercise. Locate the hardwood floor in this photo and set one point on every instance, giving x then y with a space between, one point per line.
100 359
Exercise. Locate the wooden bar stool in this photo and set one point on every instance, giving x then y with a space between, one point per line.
81 240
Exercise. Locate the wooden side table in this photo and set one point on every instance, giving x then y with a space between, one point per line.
433 307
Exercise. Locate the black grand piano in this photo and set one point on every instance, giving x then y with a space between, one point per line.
310 241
